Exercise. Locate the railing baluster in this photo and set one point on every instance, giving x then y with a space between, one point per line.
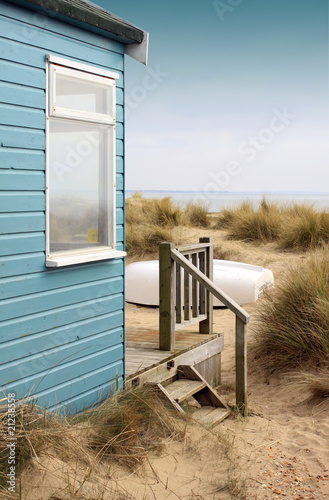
195 289
206 326
202 294
187 294
179 295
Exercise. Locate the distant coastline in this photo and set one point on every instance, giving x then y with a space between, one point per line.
221 199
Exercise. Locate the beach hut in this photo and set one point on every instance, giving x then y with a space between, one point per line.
62 200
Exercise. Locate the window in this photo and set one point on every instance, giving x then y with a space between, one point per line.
80 164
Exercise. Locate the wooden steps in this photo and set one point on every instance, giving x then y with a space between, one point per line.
189 383
183 389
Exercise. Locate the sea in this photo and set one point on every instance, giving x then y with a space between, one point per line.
216 201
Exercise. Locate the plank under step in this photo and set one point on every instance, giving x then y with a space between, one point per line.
210 416
183 388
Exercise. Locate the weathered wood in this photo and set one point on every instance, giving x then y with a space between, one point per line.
187 295
166 297
192 321
194 247
207 396
211 287
211 370
241 365
159 372
202 290
195 290
179 295
210 416
206 326
170 398
182 389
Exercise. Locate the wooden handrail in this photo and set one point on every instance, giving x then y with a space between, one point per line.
168 254
210 286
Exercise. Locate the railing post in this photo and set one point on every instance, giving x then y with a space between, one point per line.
206 326
241 365
166 298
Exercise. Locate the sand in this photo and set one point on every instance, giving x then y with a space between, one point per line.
280 451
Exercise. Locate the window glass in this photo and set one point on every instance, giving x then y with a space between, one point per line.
80 94
79 196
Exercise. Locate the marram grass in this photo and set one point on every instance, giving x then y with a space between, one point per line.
151 221
295 227
249 224
292 326
122 429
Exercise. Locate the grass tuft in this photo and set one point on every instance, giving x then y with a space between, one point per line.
317 383
127 426
292 327
196 214
226 254
144 239
122 430
306 230
297 227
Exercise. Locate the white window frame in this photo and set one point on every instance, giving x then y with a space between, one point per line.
91 74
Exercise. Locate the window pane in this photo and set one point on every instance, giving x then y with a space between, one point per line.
78 183
83 95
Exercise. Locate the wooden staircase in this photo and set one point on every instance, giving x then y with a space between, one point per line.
189 383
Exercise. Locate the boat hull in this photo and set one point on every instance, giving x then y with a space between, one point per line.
244 283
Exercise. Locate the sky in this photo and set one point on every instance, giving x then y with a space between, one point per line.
234 97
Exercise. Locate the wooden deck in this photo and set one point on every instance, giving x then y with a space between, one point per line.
144 359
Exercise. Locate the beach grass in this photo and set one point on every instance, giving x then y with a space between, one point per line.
195 214
295 227
247 223
122 430
151 221
292 326
143 239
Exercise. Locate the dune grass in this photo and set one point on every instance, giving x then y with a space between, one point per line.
292 326
122 429
142 239
150 221
157 212
306 230
296 227
317 383
248 223
195 214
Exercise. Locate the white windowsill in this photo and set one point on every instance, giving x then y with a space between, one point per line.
69 259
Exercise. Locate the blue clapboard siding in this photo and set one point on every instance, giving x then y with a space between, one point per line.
28 345
16 115
22 201
35 323
61 330
53 356
36 302
19 73
11 244
22 159
22 222
14 180
59 278
17 94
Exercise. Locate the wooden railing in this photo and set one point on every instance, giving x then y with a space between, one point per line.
186 297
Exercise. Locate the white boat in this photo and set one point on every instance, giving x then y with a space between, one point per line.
244 283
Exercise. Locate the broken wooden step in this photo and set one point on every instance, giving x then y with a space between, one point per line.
183 389
189 383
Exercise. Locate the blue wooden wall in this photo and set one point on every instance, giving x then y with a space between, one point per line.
61 330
